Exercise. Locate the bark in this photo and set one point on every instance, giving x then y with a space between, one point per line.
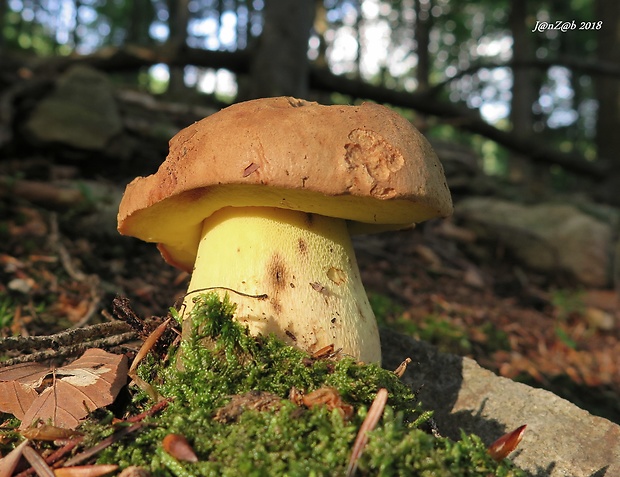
3 10
608 88
523 90
280 65
423 26
178 21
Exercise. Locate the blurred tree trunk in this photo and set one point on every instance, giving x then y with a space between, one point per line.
280 63
321 26
141 17
3 10
178 20
523 87
423 26
607 87
608 96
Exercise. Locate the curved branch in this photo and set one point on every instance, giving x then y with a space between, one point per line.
588 67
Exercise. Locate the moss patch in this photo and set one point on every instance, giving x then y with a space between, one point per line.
218 362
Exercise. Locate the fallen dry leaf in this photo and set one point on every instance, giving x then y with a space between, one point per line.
328 396
90 382
177 446
502 447
18 386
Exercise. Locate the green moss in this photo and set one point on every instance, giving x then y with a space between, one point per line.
218 360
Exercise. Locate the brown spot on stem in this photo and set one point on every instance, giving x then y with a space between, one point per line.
303 246
277 278
277 273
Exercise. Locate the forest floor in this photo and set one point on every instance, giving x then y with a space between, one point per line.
437 283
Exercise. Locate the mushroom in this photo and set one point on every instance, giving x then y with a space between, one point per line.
261 198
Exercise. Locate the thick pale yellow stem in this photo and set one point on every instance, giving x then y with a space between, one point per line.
306 266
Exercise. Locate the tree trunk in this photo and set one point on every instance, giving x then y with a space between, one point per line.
141 16
177 23
3 10
607 87
423 25
608 96
280 65
523 88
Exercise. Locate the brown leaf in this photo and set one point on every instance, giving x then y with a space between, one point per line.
177 446
16 398
503 446
90 382
18 387
328 396
31 374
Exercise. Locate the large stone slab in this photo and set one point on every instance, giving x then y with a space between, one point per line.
81 111
561 439
549 237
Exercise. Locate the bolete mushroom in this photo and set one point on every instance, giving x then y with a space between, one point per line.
261 197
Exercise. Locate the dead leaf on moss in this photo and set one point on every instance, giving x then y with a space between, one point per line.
74 390
328 396
252 400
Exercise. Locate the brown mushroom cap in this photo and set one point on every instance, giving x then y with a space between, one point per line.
366 164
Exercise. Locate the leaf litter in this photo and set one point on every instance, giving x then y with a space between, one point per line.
62 396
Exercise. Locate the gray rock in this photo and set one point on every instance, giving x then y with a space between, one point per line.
560 440
81 112
547 237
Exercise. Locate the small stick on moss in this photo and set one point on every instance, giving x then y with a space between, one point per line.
55 456
161 405
402 367
372 418
108 441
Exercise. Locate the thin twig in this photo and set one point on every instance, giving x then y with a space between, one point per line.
372 418
73 349
37 462
117 436
63 338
